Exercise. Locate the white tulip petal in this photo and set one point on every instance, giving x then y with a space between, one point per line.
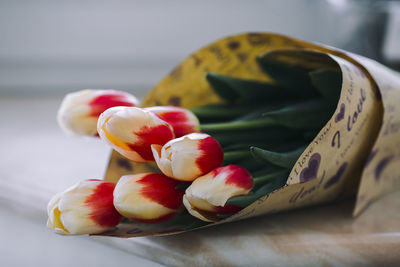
129 201
75 113
214 190
183 158
163 163
70 214
208 194
121 128
200 214
179 157
182 120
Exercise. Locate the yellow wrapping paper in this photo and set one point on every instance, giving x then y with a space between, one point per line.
356 153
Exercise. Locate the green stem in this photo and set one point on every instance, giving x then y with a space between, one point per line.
281 159
265 170
221 112
270 135
236 155
260 180
237 126
250 164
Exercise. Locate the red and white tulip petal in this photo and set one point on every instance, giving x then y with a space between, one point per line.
85 208
183 121
208 194
80 110
131 131
147 197
189 156
198 213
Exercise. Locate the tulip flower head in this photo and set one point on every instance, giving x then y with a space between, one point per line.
207 195
80 110
85 208
183 121
131 131
189 156
148 197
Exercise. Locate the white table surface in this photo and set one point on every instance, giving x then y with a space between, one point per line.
37 160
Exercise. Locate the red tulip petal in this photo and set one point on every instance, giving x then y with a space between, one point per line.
161 189
212 155
227 209
148 136
105 101
237 176
101 205
179 121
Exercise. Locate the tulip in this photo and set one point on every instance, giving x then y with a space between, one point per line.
147 197
80 110
189 156
207 195
85 208
131 131
183 121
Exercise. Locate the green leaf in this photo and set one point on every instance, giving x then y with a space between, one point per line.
245 91
244 201
282 159
223 216
258 113
272 135
236 155
269 177
195 224
287 76
267 169
311 114
275 184
238 125
266 144
310 135
252 165
328 83
222 112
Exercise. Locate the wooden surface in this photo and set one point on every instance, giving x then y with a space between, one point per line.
37 160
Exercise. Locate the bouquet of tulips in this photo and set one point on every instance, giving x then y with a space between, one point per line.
240 151
214 159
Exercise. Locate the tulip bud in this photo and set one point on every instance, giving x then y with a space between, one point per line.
207 195
189 156
147 197
85 208
131 131
183 121
80 110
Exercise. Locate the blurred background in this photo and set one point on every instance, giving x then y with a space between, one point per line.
59 46
51 47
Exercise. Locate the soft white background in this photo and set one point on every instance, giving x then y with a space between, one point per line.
49 45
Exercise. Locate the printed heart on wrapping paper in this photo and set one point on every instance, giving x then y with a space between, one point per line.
381 166
334 179
340 115
310 172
